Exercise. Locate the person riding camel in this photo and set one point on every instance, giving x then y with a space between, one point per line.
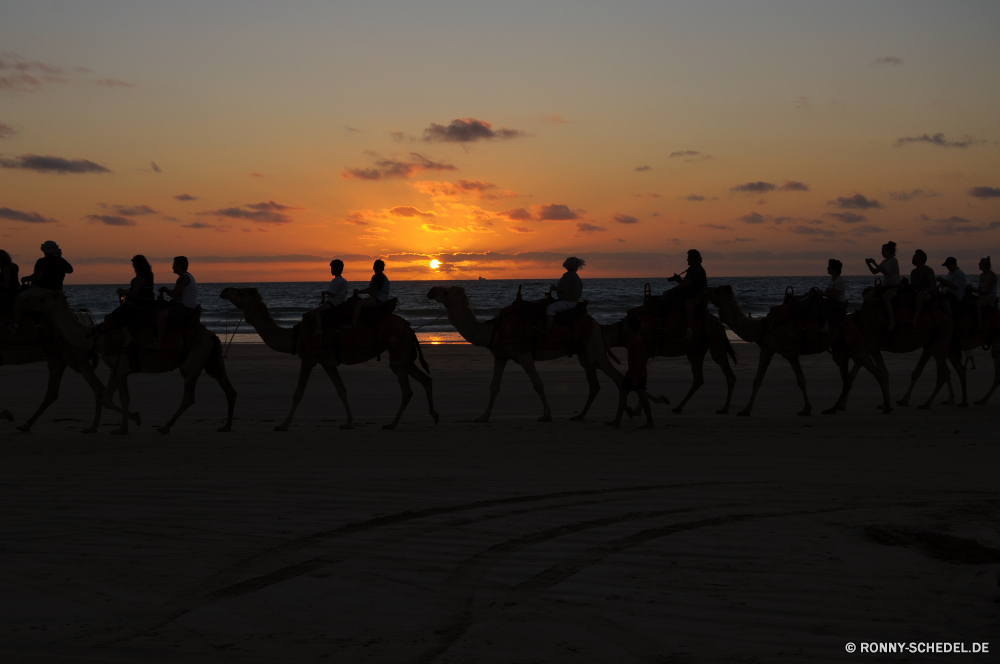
9 282
986 290
889 267
136 302
954 283
50 271
689 288
836 290
184 296
334 295
922 280
568 290
377 292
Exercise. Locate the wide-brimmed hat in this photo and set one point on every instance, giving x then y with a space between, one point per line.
50 247
949 261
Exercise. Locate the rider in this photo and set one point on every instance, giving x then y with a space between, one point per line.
987 290
8 280
569 289
334 295
689 288
184 296
50 270
137 301
954 282
890 285
835 291
922 281
377 292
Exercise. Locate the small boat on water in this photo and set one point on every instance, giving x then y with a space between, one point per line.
482 278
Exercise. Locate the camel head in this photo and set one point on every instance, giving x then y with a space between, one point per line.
719 294
452 297
241 298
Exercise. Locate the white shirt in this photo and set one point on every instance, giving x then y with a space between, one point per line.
337 291
189 298
890 268
957 277
839 287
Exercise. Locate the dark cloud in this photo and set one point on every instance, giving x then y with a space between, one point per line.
625 219
940 140
256 175
20 75
643 168
6 131
395 168
984 192
847 217
888 60
683 153
792 185
958 226
856 202
409 211
583 227
694 197
520 229
27 217
476 188
754 187
555 212
50 164
134 210
813 231
185 197
468 130
753 218
352 130
517 214
197 224
910 195
267 212
866 229
110 220
717 227
153 167
113 83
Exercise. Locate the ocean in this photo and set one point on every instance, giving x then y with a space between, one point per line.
608 300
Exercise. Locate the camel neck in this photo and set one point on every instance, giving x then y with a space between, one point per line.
745 328
276 337
471 328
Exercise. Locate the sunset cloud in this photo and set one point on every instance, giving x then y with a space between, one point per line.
110 220
408 211
891 60
267 212
958 226
396 168
517 214
683 153
197 224
856 202
753 218
910 195
113 83
51 164
520 229
984 192
847 217
555 118
583 227
866 229
719 227
435 228
27 217
813 231
554 212
694 198
133 210
624 219
468 130
754 187
939 139
463 188
185 197
643 168
6 131
792 185
20 75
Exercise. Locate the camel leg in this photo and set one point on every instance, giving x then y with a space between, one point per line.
218 372
499 364
305 369
407 394
190 382
762 363
428 384
925 357
594 386
56 369
843 363
125 397
996 376
698 379
720 358
943 376
800 379
956 361
536 382
338 383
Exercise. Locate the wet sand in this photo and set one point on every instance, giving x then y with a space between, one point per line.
713 538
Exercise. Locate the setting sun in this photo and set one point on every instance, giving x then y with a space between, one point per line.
435 264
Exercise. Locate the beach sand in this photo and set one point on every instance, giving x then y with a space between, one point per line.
774 538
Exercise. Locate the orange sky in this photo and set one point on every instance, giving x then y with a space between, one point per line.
263 142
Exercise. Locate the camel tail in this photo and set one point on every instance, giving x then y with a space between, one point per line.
420 352
730 351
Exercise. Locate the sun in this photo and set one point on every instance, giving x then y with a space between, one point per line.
435 264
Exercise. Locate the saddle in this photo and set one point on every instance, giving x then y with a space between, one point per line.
799 322
338 336
523 321
36 332
178 339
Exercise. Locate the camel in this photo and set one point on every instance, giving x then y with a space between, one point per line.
904 339
396 337
207 355
592 356
62 355
757 331
695 350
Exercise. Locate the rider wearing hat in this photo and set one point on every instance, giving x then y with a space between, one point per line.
50 270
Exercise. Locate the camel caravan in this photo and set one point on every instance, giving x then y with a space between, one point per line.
148 333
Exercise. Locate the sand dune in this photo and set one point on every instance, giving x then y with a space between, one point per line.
712 538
